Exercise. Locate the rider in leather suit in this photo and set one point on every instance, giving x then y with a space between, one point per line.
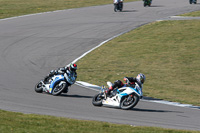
130 81
71 68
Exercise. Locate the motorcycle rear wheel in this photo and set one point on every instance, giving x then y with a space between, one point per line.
129 102
58 89
38 87
97 100
115 7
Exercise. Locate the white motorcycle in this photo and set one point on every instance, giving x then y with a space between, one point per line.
124 98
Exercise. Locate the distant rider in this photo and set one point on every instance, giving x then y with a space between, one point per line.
150 2
130 81
68 69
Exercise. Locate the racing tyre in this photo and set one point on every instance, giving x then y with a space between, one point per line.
115 7
129 102
58 89
121 7
97 100
38 87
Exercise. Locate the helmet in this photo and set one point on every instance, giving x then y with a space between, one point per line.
141 77
72 67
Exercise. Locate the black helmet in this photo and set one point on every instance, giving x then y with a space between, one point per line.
73 67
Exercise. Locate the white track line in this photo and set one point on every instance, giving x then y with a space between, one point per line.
97 88
32 14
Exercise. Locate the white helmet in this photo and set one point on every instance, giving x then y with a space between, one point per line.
141 77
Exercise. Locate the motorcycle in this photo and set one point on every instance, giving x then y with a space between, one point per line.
125 98
118 5
193 1
56 84
147 3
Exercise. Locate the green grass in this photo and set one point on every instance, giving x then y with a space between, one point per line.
192 14
167 52
10 8
29 123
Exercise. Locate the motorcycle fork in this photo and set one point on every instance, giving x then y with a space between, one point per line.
44 87
129 97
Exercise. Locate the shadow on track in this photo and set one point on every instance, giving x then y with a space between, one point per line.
150 98
75 96
157 6
152 110
143 110
129 11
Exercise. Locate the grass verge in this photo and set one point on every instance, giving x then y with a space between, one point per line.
192 14
167 52
29 123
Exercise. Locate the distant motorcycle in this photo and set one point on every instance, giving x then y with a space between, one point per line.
124 98
147 3
56 84
193 1
118 5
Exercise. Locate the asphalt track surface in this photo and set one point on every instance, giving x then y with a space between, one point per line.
31 46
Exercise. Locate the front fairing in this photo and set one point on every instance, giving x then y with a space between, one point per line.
125 91
139 90
55 80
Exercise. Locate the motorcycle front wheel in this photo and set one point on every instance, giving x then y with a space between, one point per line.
58 89
129 102
97 100
38 87
145 4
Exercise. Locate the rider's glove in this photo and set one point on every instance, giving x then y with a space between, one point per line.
125 79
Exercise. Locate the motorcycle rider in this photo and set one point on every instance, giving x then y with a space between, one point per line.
69 69
118 5
150 2
130 81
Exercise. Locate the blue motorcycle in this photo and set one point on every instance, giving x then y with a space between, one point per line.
56 84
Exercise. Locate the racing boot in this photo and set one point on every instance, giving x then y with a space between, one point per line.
108 92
